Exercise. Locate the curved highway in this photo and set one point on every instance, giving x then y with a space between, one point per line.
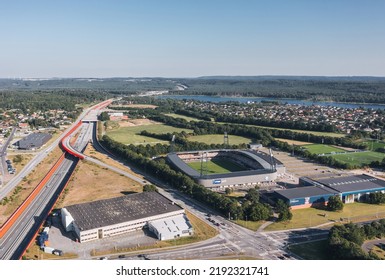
15 240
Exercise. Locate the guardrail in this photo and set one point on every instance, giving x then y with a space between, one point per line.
69 149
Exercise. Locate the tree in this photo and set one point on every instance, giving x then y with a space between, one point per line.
335 203
149 188
104 116
283 210
252 195
228 191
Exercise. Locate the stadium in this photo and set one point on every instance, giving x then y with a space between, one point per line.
227 168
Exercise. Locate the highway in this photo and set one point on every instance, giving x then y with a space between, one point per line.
18 237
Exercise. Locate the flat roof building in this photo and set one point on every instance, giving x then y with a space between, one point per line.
110 217
33 141
318 190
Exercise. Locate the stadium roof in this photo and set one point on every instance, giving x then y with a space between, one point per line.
306 192
267 157
353 183
262 158
120 209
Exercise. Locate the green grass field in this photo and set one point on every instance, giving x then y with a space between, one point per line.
310 217
359 158
217 166
130 135
322 149
218 139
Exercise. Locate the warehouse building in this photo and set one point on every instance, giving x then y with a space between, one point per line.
316 191
33 141
111 217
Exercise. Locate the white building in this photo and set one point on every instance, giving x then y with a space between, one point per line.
110 217
170 228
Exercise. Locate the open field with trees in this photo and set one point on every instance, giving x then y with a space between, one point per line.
311 217
131 135
374 145
217 166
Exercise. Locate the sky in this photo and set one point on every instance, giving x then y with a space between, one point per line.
72 38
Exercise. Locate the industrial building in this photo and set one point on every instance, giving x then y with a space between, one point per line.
111 217
259 167
316 191
33 141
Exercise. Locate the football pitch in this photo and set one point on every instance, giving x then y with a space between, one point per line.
322 149
217 166
359 158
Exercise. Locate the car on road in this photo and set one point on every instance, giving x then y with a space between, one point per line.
121 256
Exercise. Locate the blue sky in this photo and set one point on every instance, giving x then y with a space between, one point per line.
191 38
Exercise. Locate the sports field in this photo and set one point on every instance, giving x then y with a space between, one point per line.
218 139
322 149
373 145
131 135
217 166
359 158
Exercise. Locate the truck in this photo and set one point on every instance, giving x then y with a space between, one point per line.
57 252
48 250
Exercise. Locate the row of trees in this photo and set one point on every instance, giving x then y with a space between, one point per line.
344 241
320 126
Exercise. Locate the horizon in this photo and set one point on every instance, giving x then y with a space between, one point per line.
190 77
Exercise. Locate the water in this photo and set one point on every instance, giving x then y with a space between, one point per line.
204 98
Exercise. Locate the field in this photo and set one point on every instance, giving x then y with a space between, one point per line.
359 158
218 139
322 149
217 166
92 182
189 119
130 135
310 217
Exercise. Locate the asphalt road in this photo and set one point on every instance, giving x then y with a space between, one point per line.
16 240
3 154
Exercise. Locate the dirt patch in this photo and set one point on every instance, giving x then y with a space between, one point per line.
91 182
136 122
90 151
293 142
